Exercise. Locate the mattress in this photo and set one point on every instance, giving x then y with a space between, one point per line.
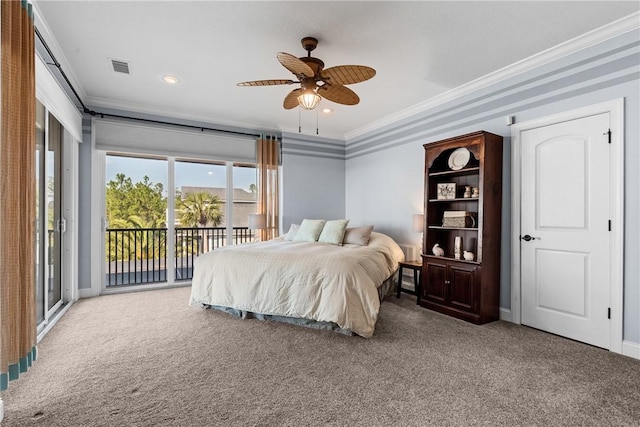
320 282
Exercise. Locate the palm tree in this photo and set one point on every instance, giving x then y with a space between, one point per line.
200 209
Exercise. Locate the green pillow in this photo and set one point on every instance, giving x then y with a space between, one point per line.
309 230
333 231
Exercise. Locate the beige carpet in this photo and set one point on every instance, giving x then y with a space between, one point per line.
149 359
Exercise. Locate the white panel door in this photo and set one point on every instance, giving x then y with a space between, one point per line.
565 229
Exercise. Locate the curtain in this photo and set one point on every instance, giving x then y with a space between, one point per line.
17 191
268 151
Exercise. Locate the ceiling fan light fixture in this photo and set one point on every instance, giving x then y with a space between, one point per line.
316 82
309 99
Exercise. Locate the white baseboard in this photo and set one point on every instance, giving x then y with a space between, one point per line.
631 349
505 314
87 293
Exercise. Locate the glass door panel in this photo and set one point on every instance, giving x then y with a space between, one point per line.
245 192
200 212
136 223
55 221
49 221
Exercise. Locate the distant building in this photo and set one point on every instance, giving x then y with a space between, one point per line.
244 203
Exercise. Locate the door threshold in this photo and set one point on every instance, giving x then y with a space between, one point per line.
53 320
123 289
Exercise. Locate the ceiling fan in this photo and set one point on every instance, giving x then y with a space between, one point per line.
315 82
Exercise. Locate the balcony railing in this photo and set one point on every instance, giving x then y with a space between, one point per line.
139 255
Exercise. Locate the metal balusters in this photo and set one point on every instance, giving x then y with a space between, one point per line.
138 256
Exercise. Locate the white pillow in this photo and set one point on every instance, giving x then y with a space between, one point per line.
333 231
292 232
358 235
309 230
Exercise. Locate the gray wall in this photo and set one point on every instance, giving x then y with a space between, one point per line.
313 177
384 168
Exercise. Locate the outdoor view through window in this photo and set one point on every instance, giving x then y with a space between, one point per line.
142 245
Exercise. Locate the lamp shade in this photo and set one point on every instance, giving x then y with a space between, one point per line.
257 221
418 223
309 99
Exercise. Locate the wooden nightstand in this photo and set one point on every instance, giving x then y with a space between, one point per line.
416 266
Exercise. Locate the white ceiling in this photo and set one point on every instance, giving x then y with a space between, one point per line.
420 49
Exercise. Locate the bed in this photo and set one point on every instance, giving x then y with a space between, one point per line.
320 285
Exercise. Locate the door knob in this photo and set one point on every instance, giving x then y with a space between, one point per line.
526 238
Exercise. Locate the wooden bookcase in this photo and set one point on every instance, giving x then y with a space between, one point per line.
466 289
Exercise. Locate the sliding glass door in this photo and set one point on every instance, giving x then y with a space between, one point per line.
50 224
161 213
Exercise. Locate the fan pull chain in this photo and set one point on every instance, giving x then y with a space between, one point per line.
299 127
317 121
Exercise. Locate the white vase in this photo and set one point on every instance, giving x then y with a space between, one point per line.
437 250
457 248
468 255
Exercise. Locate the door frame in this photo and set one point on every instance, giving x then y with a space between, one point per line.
68 238
615 108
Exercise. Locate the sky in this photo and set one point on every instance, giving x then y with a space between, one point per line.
186 173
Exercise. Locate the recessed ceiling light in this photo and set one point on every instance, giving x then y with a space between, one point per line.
170 79
327 110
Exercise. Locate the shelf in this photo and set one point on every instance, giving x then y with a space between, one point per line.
466 171
458 199
439 227
448 258
468 290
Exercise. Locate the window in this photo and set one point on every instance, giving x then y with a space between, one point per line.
136 220
163 212
245 191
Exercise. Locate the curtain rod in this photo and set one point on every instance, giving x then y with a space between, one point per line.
162 122
101 114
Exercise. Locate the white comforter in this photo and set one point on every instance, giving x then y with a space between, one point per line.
307 280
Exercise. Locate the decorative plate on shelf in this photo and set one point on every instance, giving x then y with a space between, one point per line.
459 159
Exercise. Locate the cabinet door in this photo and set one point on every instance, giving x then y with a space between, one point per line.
463 289
434 281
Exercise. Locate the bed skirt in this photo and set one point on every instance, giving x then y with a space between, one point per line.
384 290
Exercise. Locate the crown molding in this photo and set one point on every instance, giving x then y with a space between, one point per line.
599 35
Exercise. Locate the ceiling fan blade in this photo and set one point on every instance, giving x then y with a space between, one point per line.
294 65
266 83
291 100
347 74
338 94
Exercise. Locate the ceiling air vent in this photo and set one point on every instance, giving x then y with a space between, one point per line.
120 66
